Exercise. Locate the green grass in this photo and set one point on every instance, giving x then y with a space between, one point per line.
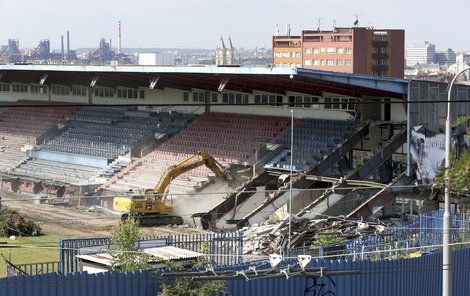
35 249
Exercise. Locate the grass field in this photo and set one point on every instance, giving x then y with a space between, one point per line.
34 249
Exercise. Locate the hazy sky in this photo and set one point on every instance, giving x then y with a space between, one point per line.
199 23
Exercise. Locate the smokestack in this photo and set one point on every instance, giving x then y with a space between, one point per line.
287 29
68 44
119 37
277 30
62 46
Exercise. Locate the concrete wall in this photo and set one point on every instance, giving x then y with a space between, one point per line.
70 158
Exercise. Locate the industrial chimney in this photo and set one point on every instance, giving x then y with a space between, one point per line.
277 30
119 37
68 45
62 46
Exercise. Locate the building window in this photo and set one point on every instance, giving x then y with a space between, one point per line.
128 93
322 50
23 88
37 89
257 99
303 101
347 62
382 62
382 73
383 37
316 62
195 97
339 62
214 97
315 50
79 91
374 62
348 50
232 98
285 54
327 103
383 50
238 99
374 49
264 99
308 51
185 96
4 87
330 62
308 62
298 65
278 54
298 55
202 97
339 50
323 62
330 50
60 90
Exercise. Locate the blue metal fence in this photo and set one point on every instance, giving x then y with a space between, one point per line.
417 277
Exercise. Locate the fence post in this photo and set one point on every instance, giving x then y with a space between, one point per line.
60 256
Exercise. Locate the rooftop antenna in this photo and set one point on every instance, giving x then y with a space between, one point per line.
356 20
319 24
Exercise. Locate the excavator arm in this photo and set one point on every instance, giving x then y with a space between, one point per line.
186 165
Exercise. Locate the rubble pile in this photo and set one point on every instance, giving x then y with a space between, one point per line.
269 237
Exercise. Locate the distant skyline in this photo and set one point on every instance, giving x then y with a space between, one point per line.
199 24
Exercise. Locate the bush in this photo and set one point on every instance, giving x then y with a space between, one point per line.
13 223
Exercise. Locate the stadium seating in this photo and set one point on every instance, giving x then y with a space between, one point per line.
108 133
58 171
99 132
21 126
230 138
313 138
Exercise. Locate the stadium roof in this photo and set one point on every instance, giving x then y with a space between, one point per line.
244 79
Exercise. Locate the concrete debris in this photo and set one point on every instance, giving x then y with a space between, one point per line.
270 238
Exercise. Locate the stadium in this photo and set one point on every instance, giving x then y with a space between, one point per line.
96 132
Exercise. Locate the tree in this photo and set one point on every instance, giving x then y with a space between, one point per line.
125 253
459 173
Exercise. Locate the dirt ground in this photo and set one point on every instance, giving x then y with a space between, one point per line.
77 222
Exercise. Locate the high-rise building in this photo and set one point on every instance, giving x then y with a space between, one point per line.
287 51
420 53
445 57
355 50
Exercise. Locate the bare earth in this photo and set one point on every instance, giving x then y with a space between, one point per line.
76 222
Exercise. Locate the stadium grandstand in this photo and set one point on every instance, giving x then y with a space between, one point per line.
119 128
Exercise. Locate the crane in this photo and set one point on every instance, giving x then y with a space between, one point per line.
151 207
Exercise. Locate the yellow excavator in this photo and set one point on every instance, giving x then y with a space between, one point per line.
151 207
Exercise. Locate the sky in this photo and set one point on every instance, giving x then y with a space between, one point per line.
200 23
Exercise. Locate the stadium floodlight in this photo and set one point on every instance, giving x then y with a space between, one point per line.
222 85
94 81
43 79
153 82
